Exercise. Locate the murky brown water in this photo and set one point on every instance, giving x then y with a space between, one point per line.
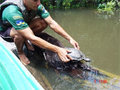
98 37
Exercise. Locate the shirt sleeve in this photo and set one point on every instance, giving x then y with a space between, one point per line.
14 17
42 11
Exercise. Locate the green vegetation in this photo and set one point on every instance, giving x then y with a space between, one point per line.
1 1
108 7
67 4
103 6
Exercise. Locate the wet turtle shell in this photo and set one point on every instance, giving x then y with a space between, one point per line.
76 54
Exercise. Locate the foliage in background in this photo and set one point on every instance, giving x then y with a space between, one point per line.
66 4
102 5
108 7
1 1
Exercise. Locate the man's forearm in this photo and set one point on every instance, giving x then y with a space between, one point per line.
44 44
57 28
28 34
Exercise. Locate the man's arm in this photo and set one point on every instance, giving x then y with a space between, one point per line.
58 29
54 26
28 34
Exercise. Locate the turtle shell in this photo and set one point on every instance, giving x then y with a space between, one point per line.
76 54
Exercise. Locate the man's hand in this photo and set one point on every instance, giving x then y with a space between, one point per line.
62 53
74 43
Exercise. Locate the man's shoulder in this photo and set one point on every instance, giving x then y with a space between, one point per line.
12 7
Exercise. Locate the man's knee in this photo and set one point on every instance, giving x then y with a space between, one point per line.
18 37
44 23
38 25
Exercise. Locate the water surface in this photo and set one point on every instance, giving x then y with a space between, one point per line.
98 36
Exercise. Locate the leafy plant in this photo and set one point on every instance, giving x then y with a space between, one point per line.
107 7
1 1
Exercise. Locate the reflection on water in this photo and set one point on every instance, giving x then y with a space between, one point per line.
98 38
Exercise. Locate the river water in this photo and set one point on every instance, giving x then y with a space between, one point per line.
99 39
97 35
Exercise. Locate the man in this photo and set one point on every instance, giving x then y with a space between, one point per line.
18 20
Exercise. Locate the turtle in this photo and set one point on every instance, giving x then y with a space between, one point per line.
53 59
77 55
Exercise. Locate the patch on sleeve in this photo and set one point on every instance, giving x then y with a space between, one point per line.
17 17
45 11
42 11
20 22
42 8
